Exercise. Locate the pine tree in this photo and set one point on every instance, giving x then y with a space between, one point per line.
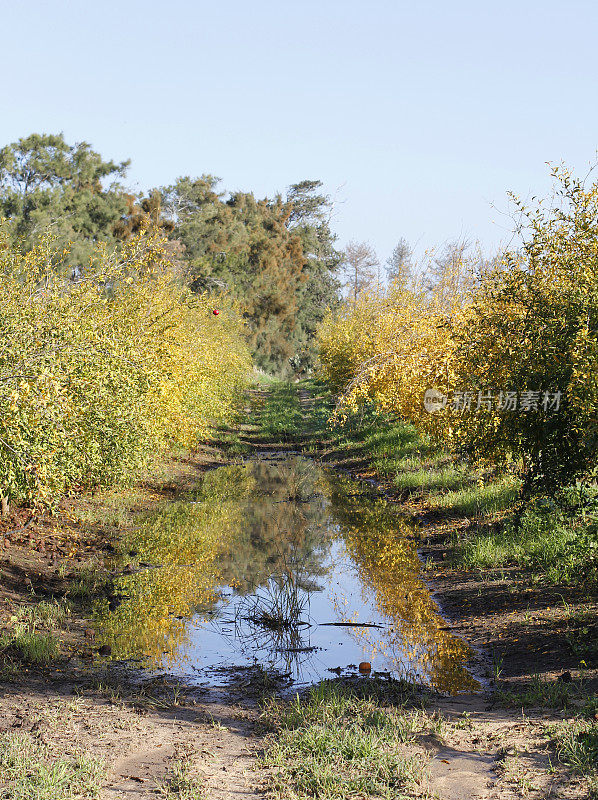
47 183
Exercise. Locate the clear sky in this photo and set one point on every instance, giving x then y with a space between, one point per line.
418 116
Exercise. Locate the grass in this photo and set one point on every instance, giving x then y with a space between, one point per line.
90 580
51 614
545 694
29 771
482 498
430 478
577 745
231 443
581 633
398 451
335 745
25 642
391 445
114 508
551 545
30 646
183 783
576 742
281 416
263 378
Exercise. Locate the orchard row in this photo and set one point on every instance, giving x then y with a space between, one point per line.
102 369
524 322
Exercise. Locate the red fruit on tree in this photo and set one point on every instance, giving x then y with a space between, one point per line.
215 312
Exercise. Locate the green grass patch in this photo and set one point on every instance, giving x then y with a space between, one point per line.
32 637
29 771
582 634
335 745
31 647
432 478
483 498
263 378
47 613
549 543
111 508
541 693
280 416
231 442
576 742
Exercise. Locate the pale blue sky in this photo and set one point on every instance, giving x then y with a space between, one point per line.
418 116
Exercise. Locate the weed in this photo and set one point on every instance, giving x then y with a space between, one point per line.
544 693
496 666
334 744
25 642
576 743
29 770
482 498
49 614
581 632
31 647
183 784
550 544
91 580
430 478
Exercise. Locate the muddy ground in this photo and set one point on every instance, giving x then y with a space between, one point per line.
145 729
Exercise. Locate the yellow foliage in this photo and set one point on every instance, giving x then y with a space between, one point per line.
100 369
525 325
389 349
187 542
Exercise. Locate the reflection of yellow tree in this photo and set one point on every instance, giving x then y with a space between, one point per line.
245 524
386 557
185 542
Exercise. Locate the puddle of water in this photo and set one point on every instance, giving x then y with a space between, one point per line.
281 564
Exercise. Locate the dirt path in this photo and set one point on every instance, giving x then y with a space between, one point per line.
156 739
143 747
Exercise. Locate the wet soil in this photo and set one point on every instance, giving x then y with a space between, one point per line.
143 727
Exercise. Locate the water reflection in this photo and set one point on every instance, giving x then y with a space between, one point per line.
281 564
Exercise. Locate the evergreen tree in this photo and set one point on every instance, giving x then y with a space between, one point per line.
310 219
276 257
47 183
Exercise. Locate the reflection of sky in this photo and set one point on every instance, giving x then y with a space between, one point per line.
334 574
341 598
